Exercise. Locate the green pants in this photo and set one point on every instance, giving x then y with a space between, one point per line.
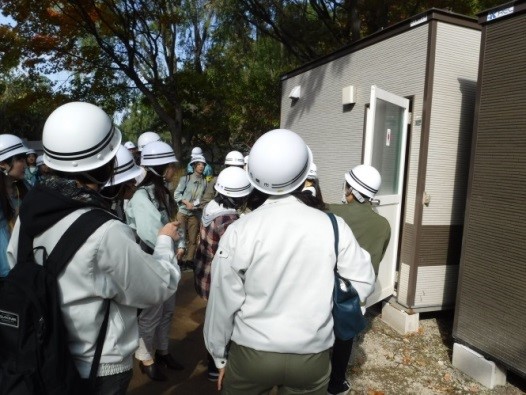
252 372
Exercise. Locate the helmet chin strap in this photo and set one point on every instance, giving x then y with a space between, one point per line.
94 180
157 174
358 196
231 201
154 172
112 197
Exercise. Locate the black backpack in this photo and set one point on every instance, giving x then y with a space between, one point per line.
34 353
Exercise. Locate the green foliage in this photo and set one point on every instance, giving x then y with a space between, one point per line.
10 51
198 72
25 103
140 118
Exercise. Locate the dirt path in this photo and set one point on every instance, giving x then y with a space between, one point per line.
187 347
383 362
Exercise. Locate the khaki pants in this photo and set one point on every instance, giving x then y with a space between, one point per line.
251 372
191 224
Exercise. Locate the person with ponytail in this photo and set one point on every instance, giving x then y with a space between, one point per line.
121 187
109 275
150 207
232 187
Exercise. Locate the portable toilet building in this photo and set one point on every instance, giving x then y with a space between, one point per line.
490 313
402 100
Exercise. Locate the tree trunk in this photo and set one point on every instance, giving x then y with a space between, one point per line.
176 131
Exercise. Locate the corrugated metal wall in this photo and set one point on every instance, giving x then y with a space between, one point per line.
452 109
335 133
491 302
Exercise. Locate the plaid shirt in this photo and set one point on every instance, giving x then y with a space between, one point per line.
209 236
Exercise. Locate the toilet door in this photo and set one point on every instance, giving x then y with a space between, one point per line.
385 149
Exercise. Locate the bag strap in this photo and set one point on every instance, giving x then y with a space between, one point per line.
74 237
70 242
204 183
336 237
100 342
186 179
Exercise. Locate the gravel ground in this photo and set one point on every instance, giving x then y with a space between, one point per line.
385 362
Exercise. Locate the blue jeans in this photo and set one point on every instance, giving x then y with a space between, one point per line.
116 384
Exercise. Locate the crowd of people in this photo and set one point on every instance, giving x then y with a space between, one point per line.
256 237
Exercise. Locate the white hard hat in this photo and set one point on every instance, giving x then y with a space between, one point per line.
313 172
198 158
365 179
278 162
146 138
196 151
129 145
11 145
245 159
40 160
233 182
141 176
234 158
79 137
31 151
157 153
125 169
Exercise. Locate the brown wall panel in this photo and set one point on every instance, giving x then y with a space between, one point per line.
440 245
407 252
491 300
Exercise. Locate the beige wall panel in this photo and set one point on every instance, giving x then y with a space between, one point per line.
403 284
436 286
454 88
335 133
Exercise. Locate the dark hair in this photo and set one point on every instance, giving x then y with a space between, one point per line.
230 202
256 199
7 209
160 192
101 174
5 202
308 198
112 192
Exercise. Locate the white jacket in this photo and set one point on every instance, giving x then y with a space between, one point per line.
272 280
109 265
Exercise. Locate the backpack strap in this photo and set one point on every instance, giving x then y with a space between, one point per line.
186 179
70 242
100 342
74 237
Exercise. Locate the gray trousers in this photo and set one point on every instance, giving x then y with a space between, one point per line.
154 329
251 372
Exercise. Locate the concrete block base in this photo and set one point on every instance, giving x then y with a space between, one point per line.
399 320
479 368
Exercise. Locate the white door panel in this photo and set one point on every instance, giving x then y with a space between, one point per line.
385 149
